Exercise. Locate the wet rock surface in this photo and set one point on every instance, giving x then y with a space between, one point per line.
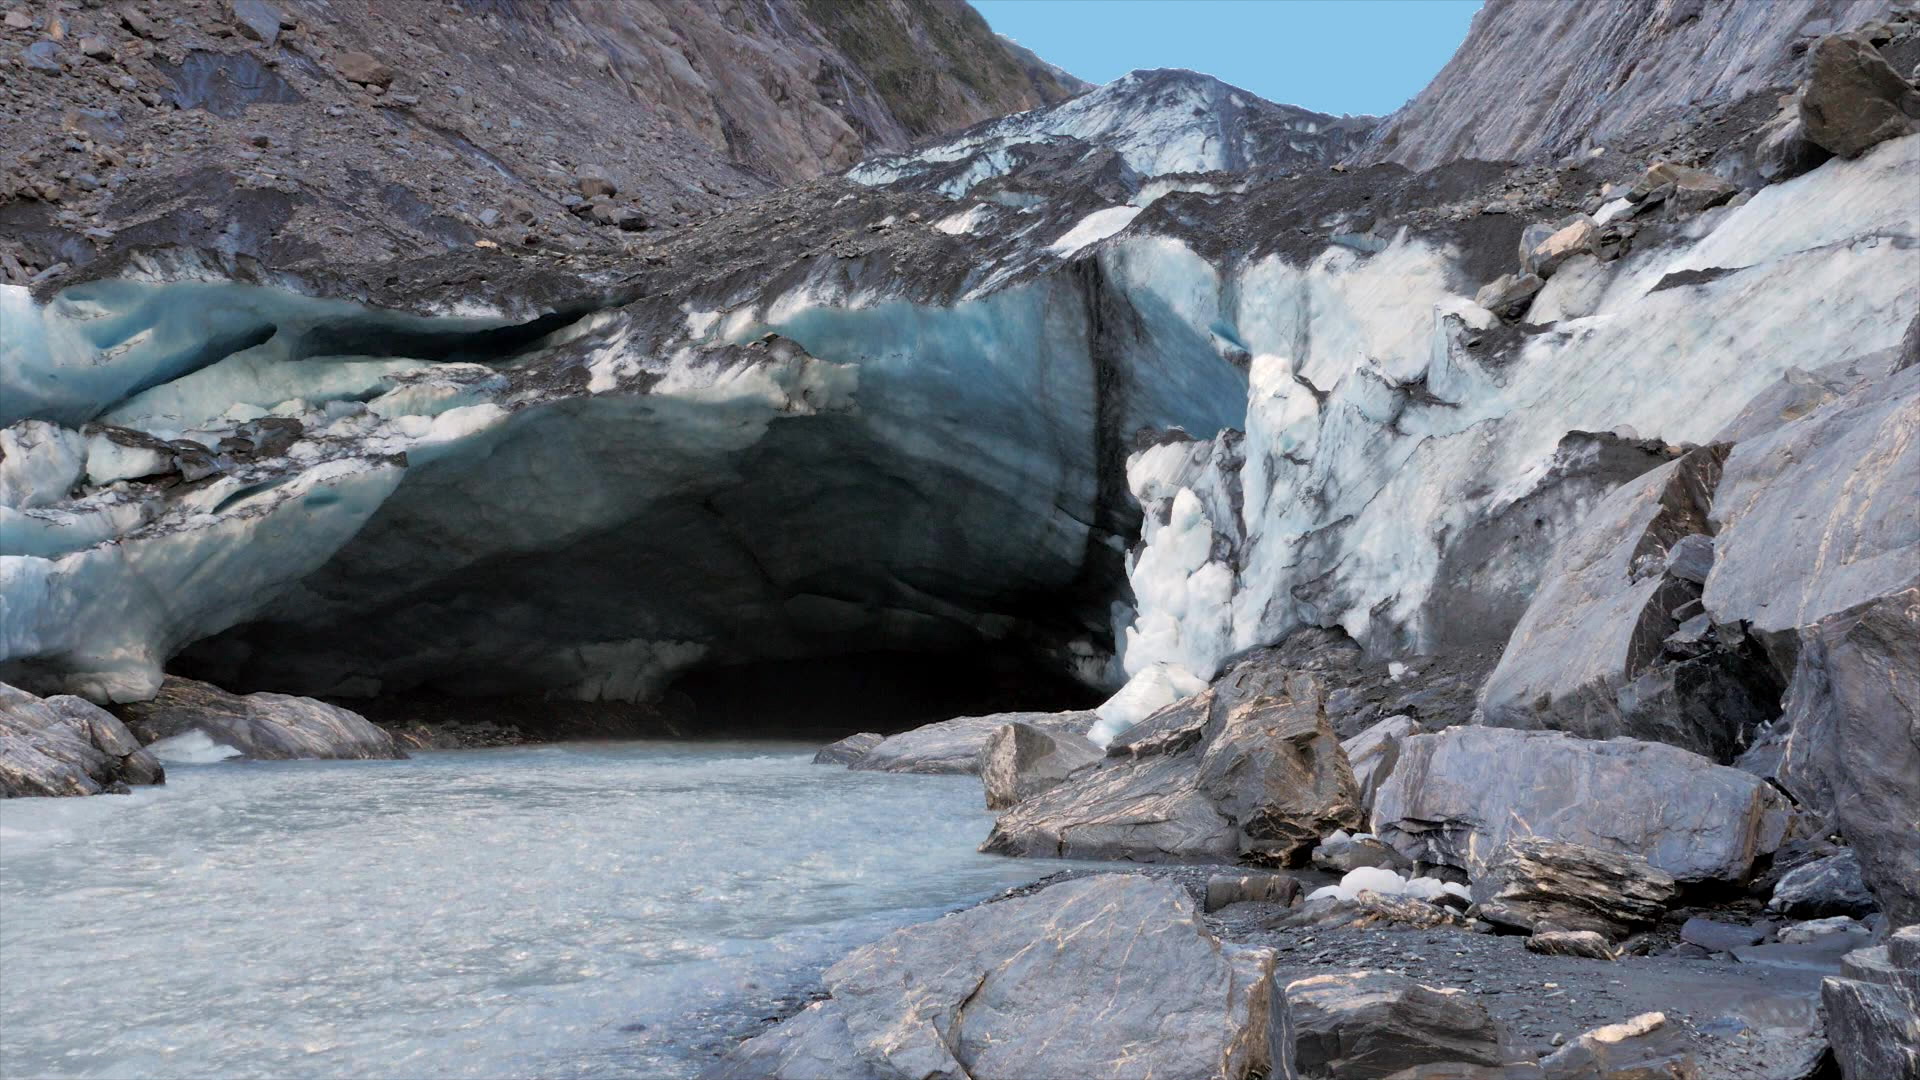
263 725
65 745
957 745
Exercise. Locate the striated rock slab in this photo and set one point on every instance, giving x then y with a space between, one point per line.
848 750
1587 944
956 745
1534 882
1263 779
65 745
1022 760
1872 1009
1458 796
1853 716
1368 1024
266 726
1111 975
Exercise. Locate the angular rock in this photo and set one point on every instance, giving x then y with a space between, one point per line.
1641 1048
1224 889
1533 882
1509 295
1111 975
263 725
1573 236
1854 99
1690 191
1457 796
1691 558
1263 780
1715 936
848 750
1823 887
1373 753
43 56
1590 655
363 68
1872 1009
1853 748
1368 1024
1582 943
1812 930
1021 760
1369 908
956 745
258 20
64 745
591 184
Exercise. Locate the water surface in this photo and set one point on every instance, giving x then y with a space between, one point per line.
583 910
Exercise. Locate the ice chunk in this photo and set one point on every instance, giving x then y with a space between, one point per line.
1094 228
39 463
193 747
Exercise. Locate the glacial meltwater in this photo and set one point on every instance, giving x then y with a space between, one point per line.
579 910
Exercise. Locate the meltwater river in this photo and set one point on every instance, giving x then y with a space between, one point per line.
582 910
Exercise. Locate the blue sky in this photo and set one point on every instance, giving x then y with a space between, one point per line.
1334 56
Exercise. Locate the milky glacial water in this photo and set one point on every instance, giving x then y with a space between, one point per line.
581 910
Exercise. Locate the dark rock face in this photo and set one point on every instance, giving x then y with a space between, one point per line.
1022 760
958 745
1125 980
1854 745
848 750
1458 796
65 745
1854 99
1872 1009
1532 882
1370 1024
266 726
1263 780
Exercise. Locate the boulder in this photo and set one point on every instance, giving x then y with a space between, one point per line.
1459 795
1509 295
1022 760
264 726
957 745
1586 944
1854 99
591 184
363 68
1814 516
848 750
1596 653
1368 908
1571 237
1533 882
1263 779
1224 889
1823 887
1110 975
1368 1024
1853 743
1872 1009
1372 754
1715 936
1802 933
258 20
1640 1048
65 745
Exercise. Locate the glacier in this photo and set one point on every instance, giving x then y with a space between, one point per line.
1089 406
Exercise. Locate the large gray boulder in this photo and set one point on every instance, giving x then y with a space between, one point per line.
1603 650
1872 1009
1022 760
1367 1024
1107 976
1533 882
1854 98
1373 753
955 746
264 726
848 750
1853 743
1460 795
1822 888
1816 516
65 745
1209 778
